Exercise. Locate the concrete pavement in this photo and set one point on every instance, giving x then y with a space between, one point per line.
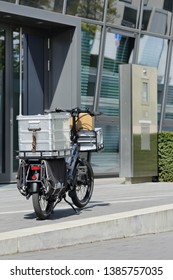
116 210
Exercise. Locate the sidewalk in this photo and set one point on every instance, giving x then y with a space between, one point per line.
116 210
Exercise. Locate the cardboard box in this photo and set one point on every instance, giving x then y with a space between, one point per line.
85 122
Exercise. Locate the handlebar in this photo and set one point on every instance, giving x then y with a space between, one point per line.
74 112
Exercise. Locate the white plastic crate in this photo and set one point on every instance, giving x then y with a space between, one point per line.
49 134
91 140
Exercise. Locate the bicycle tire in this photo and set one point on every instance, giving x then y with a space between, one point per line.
42 207
83 184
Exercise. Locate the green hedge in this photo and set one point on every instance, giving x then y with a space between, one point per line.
165 156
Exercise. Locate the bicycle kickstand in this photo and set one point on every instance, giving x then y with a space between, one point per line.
76 211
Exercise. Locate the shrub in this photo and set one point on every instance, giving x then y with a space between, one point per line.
165 156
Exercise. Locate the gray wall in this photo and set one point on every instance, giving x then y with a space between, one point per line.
33 75
65 69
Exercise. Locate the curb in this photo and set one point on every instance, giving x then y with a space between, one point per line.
126 224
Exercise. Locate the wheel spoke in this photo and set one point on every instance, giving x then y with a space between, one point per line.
84 184
43 202
42 207
81 191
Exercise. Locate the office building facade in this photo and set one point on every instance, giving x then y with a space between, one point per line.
112 33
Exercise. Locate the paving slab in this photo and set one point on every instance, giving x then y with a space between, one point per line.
116 210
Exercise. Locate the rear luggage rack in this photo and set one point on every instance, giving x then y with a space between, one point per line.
43 154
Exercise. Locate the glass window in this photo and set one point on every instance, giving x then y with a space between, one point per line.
153 52
118 50
107 161
123 13
58 6
89 55
11 1
53 5
169 102
168 5
2 101
86 8
157 16
145 92
16 90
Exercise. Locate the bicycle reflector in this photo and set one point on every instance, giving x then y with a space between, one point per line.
35 167
34 177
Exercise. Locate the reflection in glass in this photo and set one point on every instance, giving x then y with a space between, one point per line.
2 101
16 89
118 50
107 161
153 52
58 6
86 8
169 103
10 1
53 5
123 13
89 52
157 16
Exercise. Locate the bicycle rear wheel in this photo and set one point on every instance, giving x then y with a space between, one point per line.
42 207
83 184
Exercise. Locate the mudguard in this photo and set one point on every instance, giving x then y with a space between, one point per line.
33 188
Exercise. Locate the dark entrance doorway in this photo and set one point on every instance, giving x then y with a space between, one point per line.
39 68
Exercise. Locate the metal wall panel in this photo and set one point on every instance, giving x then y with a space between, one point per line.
138 121
125 121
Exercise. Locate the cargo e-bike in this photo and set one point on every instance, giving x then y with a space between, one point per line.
48 175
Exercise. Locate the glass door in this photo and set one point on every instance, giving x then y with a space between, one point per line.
2 103
23 54
17 72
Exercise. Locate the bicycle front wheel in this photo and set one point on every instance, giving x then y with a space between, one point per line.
83 184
